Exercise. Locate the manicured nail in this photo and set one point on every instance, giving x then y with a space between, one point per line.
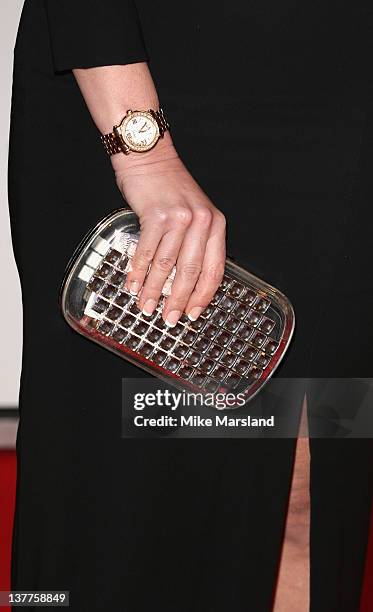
194 313
134 287
149 307
172 318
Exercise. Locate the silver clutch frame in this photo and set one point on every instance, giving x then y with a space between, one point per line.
75 297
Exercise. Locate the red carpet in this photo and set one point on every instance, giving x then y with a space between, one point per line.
7 494
7 497
367 599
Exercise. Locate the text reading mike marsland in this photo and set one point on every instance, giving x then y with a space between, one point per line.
197 421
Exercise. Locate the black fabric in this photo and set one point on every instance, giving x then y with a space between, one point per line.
271 109
94 33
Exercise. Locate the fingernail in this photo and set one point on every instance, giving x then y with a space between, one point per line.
194 313
134 287
172 318
149 307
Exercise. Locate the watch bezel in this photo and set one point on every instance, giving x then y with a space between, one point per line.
121 128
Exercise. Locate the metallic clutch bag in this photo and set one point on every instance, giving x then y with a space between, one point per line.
234 346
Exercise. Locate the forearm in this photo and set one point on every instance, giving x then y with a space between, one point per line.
109 91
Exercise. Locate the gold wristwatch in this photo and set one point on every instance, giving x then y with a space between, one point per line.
138 131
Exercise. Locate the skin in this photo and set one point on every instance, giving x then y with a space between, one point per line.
293 584
179 223
181 226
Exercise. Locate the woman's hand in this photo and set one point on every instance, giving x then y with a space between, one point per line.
179 226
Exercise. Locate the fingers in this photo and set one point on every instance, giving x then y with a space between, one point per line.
162 265
193 238
195 260
212 270
150 237
177 222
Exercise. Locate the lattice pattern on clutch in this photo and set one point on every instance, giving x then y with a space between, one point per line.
234 346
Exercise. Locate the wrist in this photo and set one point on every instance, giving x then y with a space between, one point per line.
163 151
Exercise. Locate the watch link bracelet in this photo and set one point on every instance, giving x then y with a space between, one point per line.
138 131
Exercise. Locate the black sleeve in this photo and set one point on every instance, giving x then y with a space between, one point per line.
87 33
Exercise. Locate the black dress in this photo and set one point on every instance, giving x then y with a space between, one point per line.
271 109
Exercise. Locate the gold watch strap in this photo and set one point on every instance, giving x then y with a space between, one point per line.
113 145
161 120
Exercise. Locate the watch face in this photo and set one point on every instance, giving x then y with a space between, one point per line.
140 131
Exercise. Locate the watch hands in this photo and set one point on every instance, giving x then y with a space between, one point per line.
142 128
